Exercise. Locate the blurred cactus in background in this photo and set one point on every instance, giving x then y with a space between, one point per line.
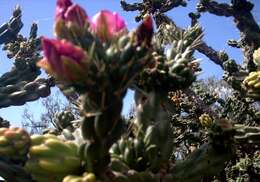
15 143
22 83
4 123
183 129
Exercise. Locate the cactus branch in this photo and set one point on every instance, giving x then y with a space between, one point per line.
203 47
21 85
212 54
205 161
240 10
220 9
131 7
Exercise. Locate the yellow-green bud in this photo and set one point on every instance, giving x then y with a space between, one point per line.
205 120
256 57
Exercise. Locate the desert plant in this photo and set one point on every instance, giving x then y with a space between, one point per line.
179 131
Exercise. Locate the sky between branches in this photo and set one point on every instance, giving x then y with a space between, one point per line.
217 31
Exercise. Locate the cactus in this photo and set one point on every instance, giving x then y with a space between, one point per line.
97 60
142 152
63 119
9 31
87 177
51 159
101 103
252 83
14 143
256 57
14 146
21 84
178 69
4 123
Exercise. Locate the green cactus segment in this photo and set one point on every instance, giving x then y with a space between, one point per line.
50 158
151 147
256 57
143 153
169 74
252 84
95 156
100 131
131 152
86 177
176 70
169 32
14 143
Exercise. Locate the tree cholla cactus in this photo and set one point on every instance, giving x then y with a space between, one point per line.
21 84
179 133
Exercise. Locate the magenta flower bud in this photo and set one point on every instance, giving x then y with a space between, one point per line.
76 14
61 8
145 31
56 52
107 25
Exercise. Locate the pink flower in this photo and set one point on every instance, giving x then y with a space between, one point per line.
69 12
61 8
107 24
60 57
76 14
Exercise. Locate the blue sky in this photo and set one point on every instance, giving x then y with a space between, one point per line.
217 31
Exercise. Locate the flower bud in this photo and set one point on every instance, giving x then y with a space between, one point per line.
107 25
60 57
145 31
76 15
61 8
